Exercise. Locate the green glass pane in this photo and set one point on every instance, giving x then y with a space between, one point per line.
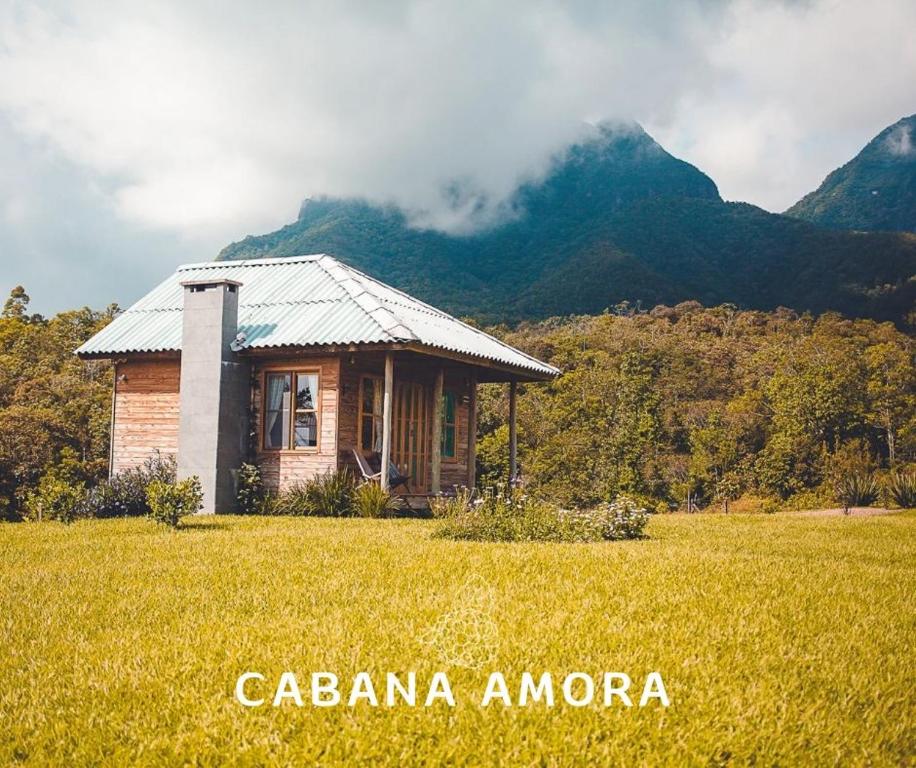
366 442
368 395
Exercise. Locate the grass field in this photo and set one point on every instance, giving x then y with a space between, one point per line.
781 641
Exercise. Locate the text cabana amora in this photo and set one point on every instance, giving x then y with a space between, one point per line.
325 689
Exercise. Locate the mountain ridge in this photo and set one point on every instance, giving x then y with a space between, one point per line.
874 191
617 218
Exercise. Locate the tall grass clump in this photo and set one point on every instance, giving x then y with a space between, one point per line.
857 489
371 500
446 507
328 495
901 487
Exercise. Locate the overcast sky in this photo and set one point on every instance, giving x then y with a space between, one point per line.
136 136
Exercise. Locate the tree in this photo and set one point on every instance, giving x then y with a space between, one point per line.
16 305
891 389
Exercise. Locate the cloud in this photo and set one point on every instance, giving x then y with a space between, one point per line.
802 88
194 123
900 142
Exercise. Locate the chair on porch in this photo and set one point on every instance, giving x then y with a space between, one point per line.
367 468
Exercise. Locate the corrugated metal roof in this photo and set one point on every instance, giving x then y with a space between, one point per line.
303 301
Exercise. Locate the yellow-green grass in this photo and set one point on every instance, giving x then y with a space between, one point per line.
781 641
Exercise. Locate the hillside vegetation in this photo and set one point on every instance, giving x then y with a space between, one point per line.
876 190
617 218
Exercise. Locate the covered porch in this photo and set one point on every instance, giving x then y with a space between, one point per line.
416 413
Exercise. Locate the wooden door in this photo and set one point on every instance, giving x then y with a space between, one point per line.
410 434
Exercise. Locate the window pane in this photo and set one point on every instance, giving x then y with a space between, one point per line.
448 442
366 435
306 430
368 395
276 412
306 391
448 425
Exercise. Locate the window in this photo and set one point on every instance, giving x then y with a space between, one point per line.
449 425
370 415
291 412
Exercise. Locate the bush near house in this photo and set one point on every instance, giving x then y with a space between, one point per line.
251 493
516 516
56 498
125 495
169 502
328 495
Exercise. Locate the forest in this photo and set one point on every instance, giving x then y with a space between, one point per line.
684 407
689 406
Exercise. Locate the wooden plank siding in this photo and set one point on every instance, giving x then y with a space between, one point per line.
147 403
145 411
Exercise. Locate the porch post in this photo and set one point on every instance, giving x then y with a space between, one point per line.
435 484
513 449
386 419
472 433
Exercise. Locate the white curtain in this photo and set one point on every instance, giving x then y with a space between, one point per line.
276 387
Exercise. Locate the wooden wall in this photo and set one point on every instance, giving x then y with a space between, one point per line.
146 411
147 402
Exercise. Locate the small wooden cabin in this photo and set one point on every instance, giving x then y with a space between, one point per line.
295 364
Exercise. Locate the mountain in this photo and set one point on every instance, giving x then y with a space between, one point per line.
876 190
617 218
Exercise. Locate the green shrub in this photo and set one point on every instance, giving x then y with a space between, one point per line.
56 498
328 495
769 506
8 511
370 500
815 498
125 494
857 489
620 519
497 516
901 487
514 516
169 502
250 494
